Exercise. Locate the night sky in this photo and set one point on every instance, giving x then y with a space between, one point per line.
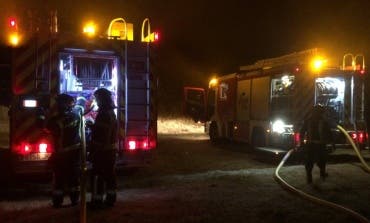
203 38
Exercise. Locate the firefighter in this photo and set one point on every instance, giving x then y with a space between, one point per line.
65 161
316 130
103 151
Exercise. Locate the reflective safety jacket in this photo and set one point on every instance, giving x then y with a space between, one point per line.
317 129
65 129
104 131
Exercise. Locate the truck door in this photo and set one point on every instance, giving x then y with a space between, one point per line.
140 99
5 95
194 104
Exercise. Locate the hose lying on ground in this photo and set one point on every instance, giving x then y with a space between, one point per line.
319 201
364 164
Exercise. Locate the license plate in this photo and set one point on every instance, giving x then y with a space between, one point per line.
36 156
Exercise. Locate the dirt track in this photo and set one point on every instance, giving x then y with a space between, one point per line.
190 180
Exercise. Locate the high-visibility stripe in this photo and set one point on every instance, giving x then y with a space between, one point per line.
27 63
304 99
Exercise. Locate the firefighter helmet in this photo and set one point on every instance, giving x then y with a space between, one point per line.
104 98
65 102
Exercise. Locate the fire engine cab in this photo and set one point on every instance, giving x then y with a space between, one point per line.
264 104
46 62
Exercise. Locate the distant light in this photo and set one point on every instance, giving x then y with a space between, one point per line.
362 71
297 69
29 103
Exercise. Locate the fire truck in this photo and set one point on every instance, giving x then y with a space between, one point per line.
47 62
265 103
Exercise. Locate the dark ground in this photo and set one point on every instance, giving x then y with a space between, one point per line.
191 180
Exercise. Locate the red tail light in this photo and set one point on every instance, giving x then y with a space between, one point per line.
359 136
43 148
297 138
140 143
25 148
145 145
131 145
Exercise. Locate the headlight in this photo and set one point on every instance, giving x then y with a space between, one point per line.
280 127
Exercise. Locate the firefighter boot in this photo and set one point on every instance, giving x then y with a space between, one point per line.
74 197
309 177
110 198
57 199
96 202
323 174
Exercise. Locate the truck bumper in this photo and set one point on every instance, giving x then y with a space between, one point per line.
134 158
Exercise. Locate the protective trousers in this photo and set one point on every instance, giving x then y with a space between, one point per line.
104 177
66 178
315 153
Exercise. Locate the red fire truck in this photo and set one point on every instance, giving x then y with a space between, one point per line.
264 103
48 61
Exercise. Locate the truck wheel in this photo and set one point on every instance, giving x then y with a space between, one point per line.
258 138
213 133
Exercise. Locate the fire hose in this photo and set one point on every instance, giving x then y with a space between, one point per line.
83 172
317 200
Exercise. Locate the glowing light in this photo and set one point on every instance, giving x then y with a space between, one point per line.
120 29
156 36
27 148
114 79
280 127
29 103
14 39
12 22
43 147
286 81
89 29
145 145
318 63
152 37
131 145
213 82
297 138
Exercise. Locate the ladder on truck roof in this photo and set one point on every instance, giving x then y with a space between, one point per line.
293 58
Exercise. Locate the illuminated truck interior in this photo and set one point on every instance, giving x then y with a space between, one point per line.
329 92
282 92
82 73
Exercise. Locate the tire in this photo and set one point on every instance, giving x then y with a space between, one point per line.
213 133
258 138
